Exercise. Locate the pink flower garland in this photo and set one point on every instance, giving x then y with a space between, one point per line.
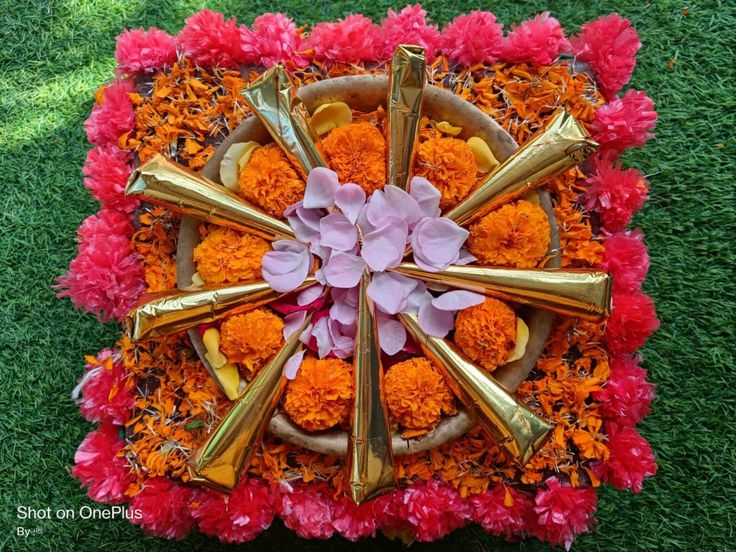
106 278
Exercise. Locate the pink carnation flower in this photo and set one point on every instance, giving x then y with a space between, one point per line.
307 510
106 389
208 39
352 521
626 396
98 466
538 41
609 46
631 460
624 123
139 51
472 38
632 321
614 193
164 507
410 26
433 509
106 277
626 258
239 517
503 511
274 39
563 512
113 116
106 173
354 38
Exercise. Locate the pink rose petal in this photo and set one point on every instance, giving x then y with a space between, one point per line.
292 322
436 243
293 364
465 258
435 322
391 334
384 247
321 332
457 300
343 270
322 183
426 196
309 295
304 222
392 202
350 198
390 292
344 305
337 232
286 267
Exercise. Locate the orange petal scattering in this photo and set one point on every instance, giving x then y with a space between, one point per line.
226 255
486 333
417 395
320 395
250 339
155 242
516 235
357 153
270 181
449 164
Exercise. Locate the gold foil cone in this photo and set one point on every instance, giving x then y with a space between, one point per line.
271 98
175 187
370 465
514 427
172 311
219 462
562 144
582 293
405 90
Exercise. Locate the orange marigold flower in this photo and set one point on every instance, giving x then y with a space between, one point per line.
321 393
486 333
449 164
270 181
357 153
516 235
225 255
250 339
416 394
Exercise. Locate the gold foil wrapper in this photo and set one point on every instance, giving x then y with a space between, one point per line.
582 293
168 312
271 98
175 187
370 465
405 90
219 462
562 144
513 426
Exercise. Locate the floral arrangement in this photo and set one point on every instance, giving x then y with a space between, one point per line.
155 403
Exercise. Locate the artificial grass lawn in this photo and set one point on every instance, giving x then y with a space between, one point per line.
53 56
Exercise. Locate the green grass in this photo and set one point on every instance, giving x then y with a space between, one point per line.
54 55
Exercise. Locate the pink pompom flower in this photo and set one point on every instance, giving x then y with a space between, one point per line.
410 26
433 509
563 512
614 193
307 509
626 396
139 51
106 277
352 521
354 38
164 508
624 122
609 46
538 41
239 517
106 173
502 511
98 466
209 39
113 116
633 319
627 259
106 389
273 39
472 38
631 460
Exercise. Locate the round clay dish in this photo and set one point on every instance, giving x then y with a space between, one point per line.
365 93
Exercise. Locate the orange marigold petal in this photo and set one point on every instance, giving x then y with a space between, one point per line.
225 255
270 181
251 338
486 333
357 153
449 164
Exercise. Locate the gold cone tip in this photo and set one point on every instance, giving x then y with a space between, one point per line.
563 143
272 98
407 77
164 313
580 293
515 428
166 183
219 462
369 467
